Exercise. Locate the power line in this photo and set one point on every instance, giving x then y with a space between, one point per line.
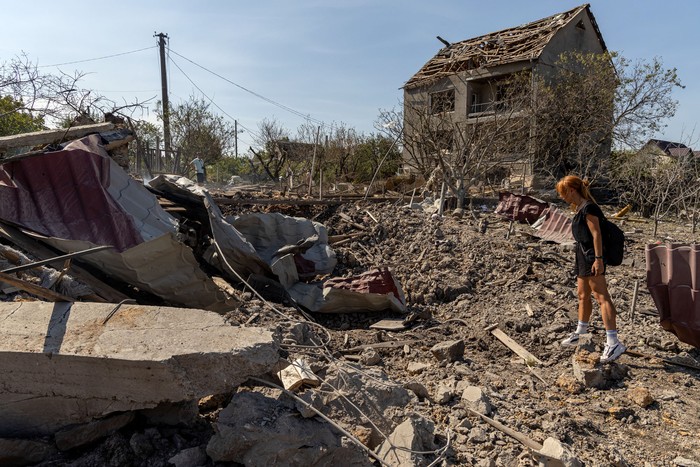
210 99
98 58
267 99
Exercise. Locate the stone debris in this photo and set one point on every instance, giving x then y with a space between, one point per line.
448 351
405 444
557 454
475 398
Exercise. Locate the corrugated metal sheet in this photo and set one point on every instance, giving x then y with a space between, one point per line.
673 278
556 227
522 208
77 193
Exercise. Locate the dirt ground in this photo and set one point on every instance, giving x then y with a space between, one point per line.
458 279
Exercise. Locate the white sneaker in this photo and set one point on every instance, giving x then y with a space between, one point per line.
612 352
571 341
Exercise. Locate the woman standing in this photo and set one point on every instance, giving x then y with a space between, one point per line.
590 265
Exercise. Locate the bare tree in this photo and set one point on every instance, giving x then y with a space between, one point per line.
469 152
57 98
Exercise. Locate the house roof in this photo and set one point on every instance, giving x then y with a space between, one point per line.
670 148
525 42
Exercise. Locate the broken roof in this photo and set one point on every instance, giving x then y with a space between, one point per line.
670 148
525 42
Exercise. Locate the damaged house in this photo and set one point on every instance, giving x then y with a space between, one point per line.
477 90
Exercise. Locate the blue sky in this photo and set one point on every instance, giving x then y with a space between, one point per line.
334 60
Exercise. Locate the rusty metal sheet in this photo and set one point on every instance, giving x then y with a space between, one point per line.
522 208
556 227
673 278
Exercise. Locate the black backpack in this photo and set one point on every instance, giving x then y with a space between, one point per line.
613 243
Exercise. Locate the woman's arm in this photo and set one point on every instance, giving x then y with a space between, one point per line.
593 223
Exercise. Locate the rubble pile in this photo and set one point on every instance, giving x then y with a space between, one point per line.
363 333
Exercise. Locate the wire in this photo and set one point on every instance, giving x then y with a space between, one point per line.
267 99
256 135
98 58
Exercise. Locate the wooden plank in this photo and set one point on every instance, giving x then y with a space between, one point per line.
52 136
34 289
514 346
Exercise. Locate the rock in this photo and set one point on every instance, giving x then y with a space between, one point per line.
683 462
370 357
213 402
476 400
417 367
558 454
191 457
311 399
415 434
620 412
449 351
443 394
18 452
477 435
570 384
417 388
258 430
592 374
372 392
363 434
80 435
640 396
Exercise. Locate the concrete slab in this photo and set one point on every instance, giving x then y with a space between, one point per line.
61 365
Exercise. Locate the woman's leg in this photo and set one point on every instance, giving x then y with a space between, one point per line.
585 306
599 287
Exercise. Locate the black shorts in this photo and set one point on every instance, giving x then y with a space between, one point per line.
584 262
200 177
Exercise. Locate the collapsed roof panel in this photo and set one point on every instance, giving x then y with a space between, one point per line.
79 193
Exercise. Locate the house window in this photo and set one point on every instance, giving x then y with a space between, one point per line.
475 104
442 101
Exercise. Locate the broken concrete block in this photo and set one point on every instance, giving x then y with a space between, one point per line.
296 374
448 351
415 434
475 398
17 452
557 454
570 384
84 368
258 430
80 435
189 457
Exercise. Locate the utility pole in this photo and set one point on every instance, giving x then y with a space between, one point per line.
235 141
164 85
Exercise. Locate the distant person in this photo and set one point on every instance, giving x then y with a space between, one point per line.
199 169
590 265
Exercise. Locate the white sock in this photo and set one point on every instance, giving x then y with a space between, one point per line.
611 337
582 327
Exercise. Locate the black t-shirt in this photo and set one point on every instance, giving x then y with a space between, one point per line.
579 227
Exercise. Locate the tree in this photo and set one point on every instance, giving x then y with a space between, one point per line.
196 130
592 102
467 153
658 185
270 157
56 98
14 119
